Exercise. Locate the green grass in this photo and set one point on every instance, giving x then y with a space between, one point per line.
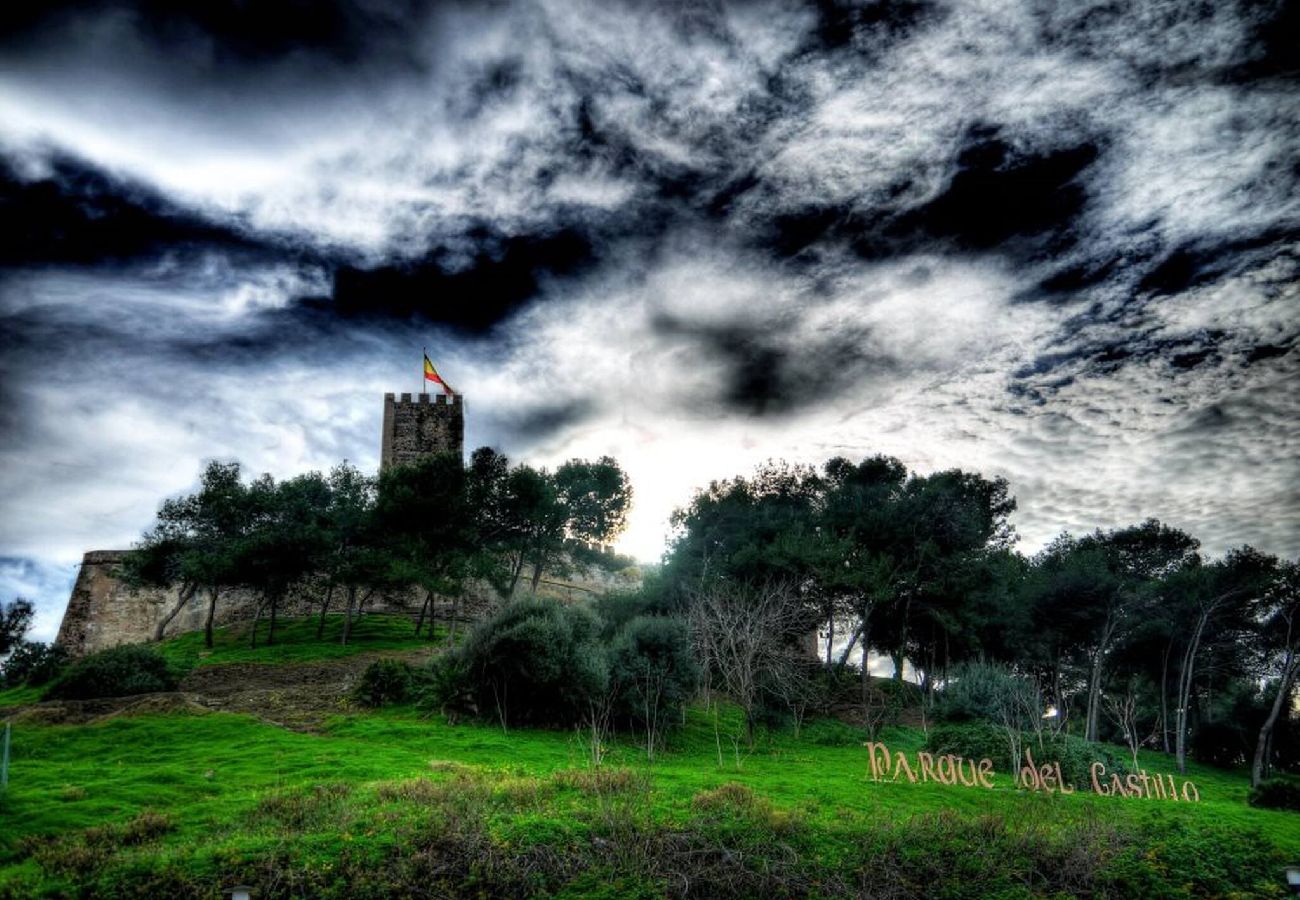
384 802
295 641
19 696
211 776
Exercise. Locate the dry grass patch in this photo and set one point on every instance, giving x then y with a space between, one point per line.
601 781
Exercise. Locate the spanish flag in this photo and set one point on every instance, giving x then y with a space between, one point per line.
431 374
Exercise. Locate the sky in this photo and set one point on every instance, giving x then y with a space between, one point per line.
1057 243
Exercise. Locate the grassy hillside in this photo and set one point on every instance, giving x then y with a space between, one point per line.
374 803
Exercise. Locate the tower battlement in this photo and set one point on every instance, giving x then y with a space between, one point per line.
421 425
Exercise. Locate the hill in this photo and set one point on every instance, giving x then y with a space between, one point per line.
260 771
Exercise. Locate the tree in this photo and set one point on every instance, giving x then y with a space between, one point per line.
194 541
286 540
534 522
652 674
349 558
746 636
428 530
596 497
1218 594
1088 594
1280 632
534 662
15 618
537 511
908 543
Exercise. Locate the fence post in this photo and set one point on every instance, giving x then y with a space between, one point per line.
4 761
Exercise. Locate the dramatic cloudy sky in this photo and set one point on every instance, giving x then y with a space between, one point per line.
1057 242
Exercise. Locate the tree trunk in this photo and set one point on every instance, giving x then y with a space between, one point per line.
455 615
1094 699
324 608
865 674
1266 730
830 637
853 640
901 656
183 595
212 612
1093 713
274 604
257 617
516 571
425 606
1185 678
1164 696
347 618
537 573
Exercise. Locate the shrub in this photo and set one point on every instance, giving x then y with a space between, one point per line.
653 670
446 685
1077 756
116 672
384 681
1276 793
148 826
300 810
33 663
971 740
534 662
983 740
988 692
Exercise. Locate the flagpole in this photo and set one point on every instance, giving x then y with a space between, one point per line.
424 382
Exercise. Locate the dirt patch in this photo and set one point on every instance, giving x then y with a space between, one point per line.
299 696
81 712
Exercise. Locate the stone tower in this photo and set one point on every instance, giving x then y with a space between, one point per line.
420 427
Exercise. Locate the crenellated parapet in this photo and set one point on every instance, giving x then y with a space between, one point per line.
421 425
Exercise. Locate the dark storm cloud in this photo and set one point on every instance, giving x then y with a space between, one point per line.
470 287
78 214
224 32
1052 241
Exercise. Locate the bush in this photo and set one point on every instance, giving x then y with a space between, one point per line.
1276 793
971 740
116 672
983 740
384 681
534 662
33 663
990 693
653 670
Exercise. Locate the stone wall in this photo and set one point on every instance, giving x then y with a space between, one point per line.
414 429
104 611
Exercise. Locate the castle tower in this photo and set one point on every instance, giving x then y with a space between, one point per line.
420 427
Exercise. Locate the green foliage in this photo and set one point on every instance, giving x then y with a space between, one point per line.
988 692
595 496
1077 756
534 662
652 670
33 663
971 740
384 681
1282 792
116 672
447 686
984 740
15 619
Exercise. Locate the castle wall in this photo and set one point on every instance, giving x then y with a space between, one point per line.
416 428
104 611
